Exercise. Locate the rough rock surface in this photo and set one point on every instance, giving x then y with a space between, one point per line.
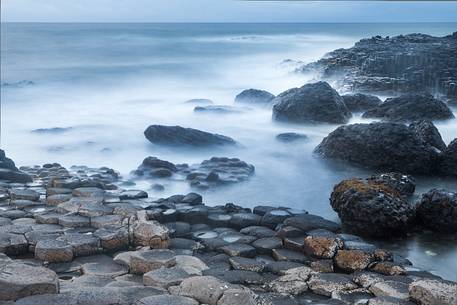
177 135
9 171
359 102
254 97
433 292
317 102
437 210
411 107
428 133
405 63
382 146
370 208
448 165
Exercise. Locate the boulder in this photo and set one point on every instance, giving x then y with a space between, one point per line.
448 164
437 210
358 102
371 208
428 133
381 146
9 171
19 280
403 184
289 137
317 102
177 135
254 97
154 167
411 107
433 292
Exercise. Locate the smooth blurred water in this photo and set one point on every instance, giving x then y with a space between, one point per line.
110 81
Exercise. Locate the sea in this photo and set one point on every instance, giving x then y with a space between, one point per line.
99 85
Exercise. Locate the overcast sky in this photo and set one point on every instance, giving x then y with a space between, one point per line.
225 11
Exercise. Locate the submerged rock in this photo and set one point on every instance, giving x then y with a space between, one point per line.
254 97
316 102
437 210
220 109
382 146
200 101
177 135
291 137
359 102
411 107
371 208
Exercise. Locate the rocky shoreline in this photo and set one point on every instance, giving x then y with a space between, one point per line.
77 237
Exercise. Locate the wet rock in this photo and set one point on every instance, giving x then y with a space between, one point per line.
428 133
317 102
176 135
322 244
249 264
411 107
371 208
433 292
288 137
155 167
13 244
258 231
404 184
393 289
192 199
308 222
204 289
144 261
243 220
20 280
165 277
267 244
437 210
359 102
27 194
133 194
254 97
448 164
54 251
239 250
166 300
275 217
382 146
219 171
327 283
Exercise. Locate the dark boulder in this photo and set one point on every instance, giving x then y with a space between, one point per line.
155 167
317 102
177 135
437 210
371 208
429 133
382 146
410 107
448 166
9 171
254 97
358 102
291 137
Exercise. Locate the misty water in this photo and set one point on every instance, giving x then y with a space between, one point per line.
107 82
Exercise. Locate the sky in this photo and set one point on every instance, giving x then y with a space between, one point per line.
226 11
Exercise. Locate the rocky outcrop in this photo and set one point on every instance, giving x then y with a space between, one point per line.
428 133
405 63
372 208
254 97
311 103
359 102
177 135
437 210
382 146
9 171
411 107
